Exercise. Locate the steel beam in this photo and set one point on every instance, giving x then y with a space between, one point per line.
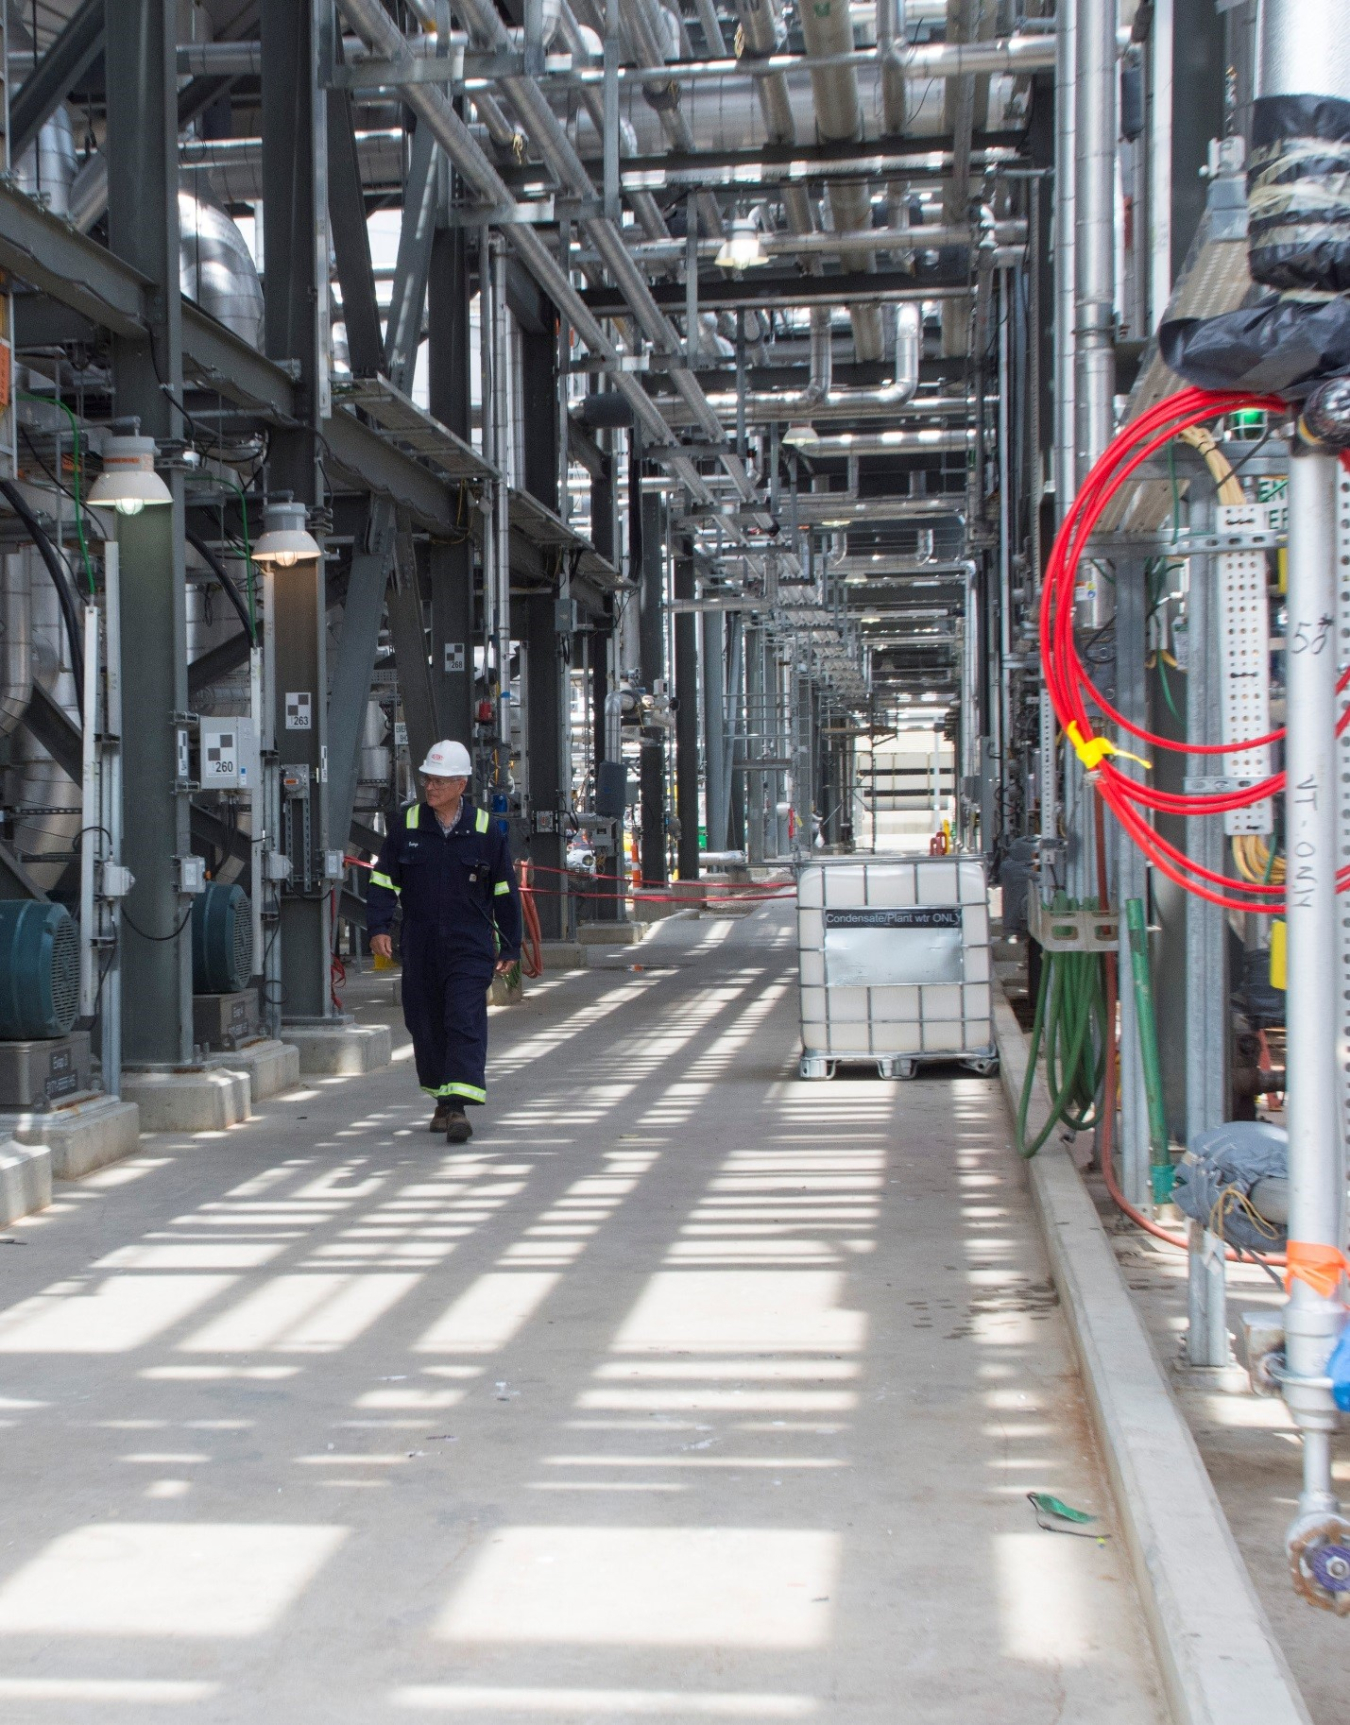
351 239
63 65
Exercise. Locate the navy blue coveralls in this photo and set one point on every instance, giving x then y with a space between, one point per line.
461 913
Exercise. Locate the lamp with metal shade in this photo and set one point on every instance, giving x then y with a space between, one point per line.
285 539
128 482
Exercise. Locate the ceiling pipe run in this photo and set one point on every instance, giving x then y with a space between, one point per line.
827 29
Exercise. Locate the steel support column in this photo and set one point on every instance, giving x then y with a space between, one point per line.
714 729
1131 882
1206 952
143 230
546 718
294 161
755 743
449 358
686 715
652 670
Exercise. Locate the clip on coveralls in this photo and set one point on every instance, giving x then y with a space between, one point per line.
461 913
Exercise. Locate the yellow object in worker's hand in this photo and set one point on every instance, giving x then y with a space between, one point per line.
1278 949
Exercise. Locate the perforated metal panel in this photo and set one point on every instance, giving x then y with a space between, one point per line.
1245 645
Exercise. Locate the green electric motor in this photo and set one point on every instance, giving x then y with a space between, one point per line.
39 970
222 940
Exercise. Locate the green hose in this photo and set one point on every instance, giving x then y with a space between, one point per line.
1071 1019
1146 1028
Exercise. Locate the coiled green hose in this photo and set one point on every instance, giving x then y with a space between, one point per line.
1071 1018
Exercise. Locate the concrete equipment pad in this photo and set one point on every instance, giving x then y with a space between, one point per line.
25 1179
84 1136
684 1392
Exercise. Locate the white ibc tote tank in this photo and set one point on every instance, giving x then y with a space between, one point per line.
895 963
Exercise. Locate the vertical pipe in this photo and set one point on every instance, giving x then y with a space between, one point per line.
1160 162
1095 240
1065 156
1206 952
1316 1156
502 422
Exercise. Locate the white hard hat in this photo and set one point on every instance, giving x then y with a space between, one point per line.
448 760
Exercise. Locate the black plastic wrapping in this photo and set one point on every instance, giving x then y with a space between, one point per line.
1280 347
1298 193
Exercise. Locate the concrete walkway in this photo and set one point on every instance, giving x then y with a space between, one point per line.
687 1391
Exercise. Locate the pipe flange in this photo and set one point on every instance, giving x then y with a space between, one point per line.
1319 1562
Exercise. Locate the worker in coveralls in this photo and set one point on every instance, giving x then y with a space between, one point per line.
448 865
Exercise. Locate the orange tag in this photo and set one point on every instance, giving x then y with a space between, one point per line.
6 373
1321 1267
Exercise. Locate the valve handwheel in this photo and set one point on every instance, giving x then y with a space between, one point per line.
1319 1562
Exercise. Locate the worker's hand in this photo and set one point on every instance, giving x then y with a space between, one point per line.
382 945
505 964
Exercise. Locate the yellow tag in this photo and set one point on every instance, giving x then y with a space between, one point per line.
1092 751
1278 949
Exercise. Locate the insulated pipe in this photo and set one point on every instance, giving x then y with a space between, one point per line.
1298 203
1001 235
762 33
649 43
431 106
546 133
1313 1319
820 399
645 207
827 28
945 440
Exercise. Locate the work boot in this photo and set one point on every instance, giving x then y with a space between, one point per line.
441 1118
457 1127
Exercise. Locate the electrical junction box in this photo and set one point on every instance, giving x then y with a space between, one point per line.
276 866
225 1020
115 881
332 865
894 960
39 1076
229 755
191 875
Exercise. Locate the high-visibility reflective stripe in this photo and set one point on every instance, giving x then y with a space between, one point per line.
378 879
413 817
470 1092
502 887
480 820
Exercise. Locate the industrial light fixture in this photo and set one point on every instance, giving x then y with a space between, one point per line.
799 436
128 481
285 540
742 249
